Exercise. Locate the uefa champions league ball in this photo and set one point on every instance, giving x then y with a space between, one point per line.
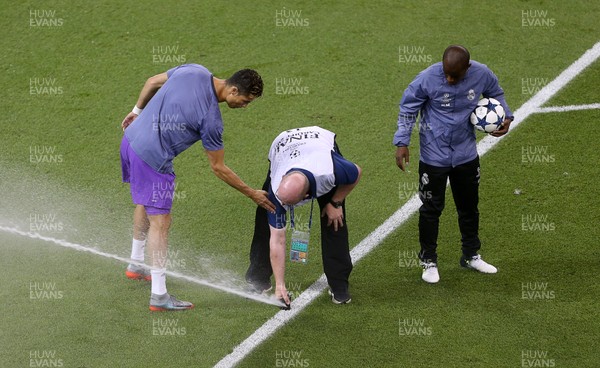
488 115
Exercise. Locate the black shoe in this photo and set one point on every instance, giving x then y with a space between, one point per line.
340 298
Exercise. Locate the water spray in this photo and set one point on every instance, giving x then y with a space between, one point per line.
196 280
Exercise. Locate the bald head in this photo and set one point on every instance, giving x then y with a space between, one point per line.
456 63
293 188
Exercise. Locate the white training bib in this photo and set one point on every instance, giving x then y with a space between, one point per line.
307 148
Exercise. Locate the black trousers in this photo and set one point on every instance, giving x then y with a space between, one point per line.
464 182
335 250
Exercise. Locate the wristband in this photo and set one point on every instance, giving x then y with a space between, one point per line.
136 110
336 204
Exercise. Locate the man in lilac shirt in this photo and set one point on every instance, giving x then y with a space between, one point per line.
444 95
174 110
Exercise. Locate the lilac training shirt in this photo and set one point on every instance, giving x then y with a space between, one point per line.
183 111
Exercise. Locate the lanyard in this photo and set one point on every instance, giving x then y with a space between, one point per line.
312 204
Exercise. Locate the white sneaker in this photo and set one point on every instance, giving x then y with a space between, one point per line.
430 272
478 264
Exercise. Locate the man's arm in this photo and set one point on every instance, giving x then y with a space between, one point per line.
494 90
277 247
152 85
412 101
334 215
343 190
217 165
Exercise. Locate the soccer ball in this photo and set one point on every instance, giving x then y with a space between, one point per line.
488 115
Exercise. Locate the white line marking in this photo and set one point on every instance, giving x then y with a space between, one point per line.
567 108
401 215
178 275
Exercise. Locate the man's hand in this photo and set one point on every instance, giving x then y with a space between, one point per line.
281 293
261 198
277 256
128 120
503 128
152 85
334 215
402 157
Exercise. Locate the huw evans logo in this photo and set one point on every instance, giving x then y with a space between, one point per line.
161 191
536 18
44 358
413 55
536 154
44 290
536 291
413 327
44 86
169 258
167 327
168 54
536 222
290 86
45 222
44 18
536 358
290 358
408 259
531 86
290 18
44 154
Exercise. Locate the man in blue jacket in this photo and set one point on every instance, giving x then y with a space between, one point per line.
444 95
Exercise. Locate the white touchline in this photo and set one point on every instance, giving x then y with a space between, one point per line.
178 275
568 108
401 215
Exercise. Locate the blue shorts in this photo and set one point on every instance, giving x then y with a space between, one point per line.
149 188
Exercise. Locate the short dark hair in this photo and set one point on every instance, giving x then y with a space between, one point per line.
247 81
456 54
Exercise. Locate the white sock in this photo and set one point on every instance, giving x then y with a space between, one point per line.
159 281
137 250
